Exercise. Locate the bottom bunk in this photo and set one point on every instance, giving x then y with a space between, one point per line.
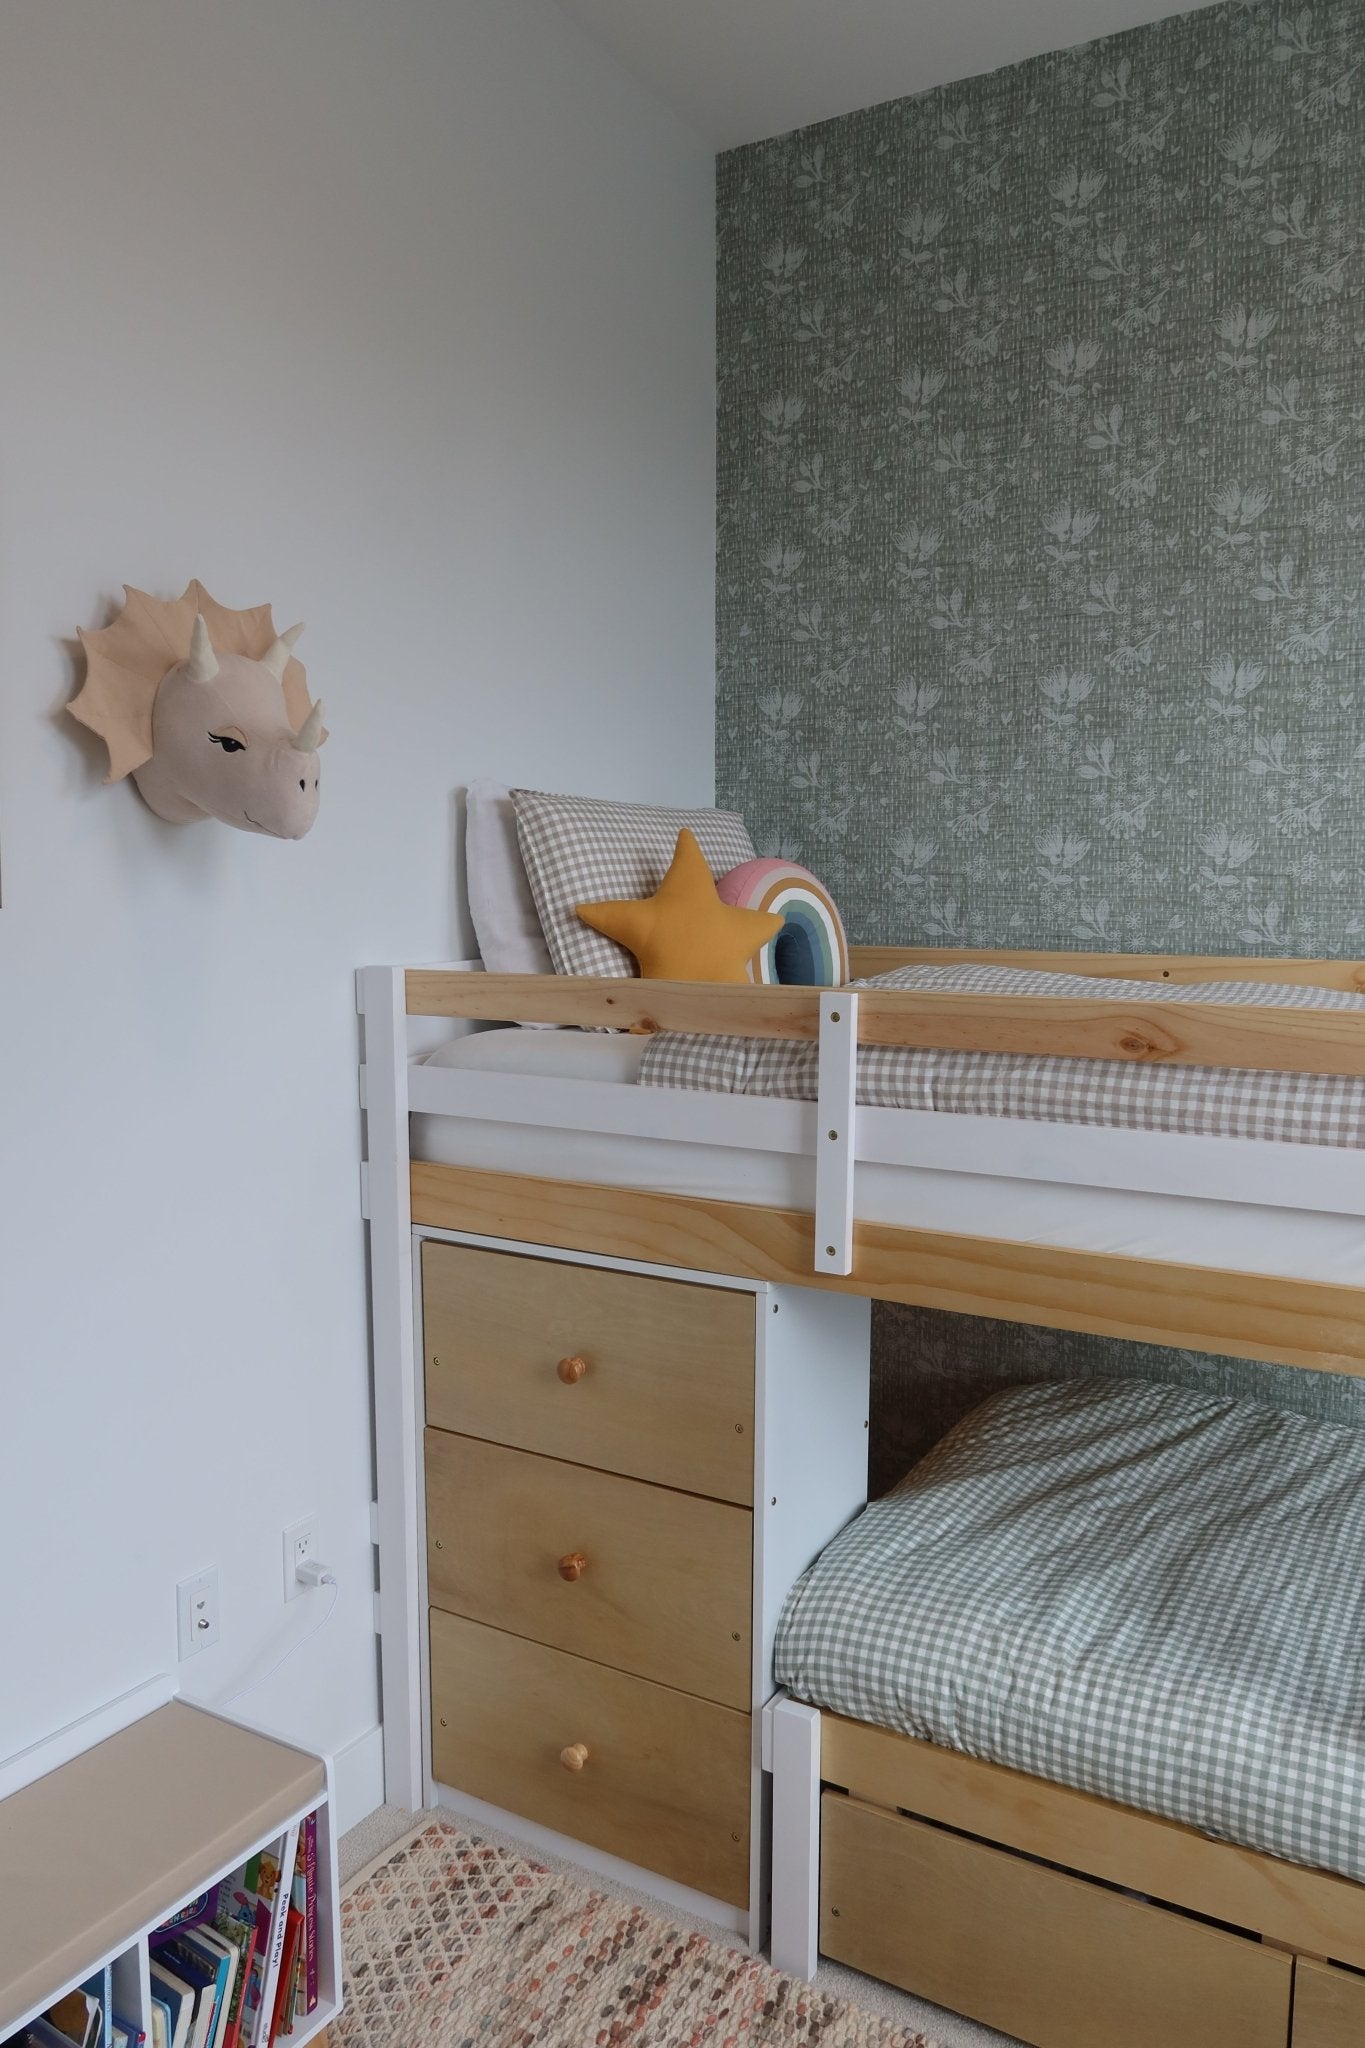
1074 1740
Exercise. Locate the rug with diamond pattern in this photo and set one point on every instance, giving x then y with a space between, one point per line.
455 1942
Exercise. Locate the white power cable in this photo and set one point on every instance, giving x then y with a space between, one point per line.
308 1574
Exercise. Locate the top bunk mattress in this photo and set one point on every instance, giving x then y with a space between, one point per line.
1145 1593
1215 1102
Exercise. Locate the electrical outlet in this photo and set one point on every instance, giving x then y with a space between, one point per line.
300 1542
196 1608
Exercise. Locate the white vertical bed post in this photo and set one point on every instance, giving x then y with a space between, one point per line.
383 1005
794 1758
836 1138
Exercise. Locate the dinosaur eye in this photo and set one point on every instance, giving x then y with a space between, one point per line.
226 741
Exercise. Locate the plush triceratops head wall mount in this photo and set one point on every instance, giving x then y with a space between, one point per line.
207 709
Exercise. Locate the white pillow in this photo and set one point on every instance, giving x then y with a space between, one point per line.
585 849
500 902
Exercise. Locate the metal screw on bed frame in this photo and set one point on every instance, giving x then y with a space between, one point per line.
443 1721
773 1502
439 1544
834 1134
834 1016
734 1635
829 1251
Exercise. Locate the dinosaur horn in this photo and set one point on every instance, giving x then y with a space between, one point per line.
308 738
276 656
201 663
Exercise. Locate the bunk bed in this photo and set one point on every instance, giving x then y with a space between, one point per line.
1240 1246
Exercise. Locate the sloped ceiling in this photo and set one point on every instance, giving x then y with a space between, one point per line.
738 70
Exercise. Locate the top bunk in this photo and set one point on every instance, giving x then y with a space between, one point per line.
1235 1231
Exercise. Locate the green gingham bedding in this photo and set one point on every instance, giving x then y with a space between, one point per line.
1213 1102
1150 1594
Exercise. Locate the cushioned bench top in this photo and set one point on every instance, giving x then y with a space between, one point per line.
1150 1594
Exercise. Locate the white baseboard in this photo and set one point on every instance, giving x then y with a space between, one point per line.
358 1779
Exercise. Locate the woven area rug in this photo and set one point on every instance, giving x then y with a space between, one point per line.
454 1942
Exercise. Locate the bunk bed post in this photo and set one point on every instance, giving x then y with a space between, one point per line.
382 1001
793 1746
836 1149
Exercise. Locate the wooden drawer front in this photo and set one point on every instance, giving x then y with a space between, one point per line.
1050 1958
653 1581
665 1782
1329 2006
667 1390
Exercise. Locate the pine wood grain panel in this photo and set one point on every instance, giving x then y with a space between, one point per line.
626 1004
664 1587
1188 968
1057 1961
665 1782
667 1392
1196 1308
1329 2007
1174 1034
1303 1909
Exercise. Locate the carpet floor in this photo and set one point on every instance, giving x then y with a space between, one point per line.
454 1940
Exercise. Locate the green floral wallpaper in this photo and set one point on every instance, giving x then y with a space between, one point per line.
1042 495
1041 534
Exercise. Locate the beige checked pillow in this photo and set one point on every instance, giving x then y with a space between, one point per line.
585 849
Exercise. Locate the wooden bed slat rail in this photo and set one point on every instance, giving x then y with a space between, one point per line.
1176 1034
1196 1308
1189 968
1303 1909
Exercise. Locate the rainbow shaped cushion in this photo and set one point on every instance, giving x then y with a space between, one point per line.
811 948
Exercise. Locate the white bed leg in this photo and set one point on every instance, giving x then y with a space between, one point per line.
795 1753
383 1005
836 1149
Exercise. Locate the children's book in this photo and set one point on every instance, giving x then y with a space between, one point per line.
127 2033
189 1915
179 2000
223 1954
162 2026
242 1936
259 1895
282 2020
207 1963
309 1973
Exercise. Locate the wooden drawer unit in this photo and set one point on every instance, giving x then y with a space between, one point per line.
647 1377
654 1582
1329 2006
1061 1962
653 1775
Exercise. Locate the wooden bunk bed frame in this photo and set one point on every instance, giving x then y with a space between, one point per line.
1051 1853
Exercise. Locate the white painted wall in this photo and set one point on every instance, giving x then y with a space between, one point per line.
399 314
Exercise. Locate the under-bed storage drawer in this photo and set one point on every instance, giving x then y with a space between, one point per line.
1058 1961
646 1773
652 1581
1329 2006
652 1378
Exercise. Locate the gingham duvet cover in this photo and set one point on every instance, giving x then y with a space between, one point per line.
1150 1594
1305 1109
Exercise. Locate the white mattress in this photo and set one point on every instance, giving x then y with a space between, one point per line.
1079 1198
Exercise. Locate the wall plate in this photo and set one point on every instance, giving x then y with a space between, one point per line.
197 1614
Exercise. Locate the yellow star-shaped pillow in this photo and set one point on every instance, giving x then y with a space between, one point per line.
684 932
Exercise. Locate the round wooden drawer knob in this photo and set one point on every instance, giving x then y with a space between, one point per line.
575 1756
571 1370
573 1566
